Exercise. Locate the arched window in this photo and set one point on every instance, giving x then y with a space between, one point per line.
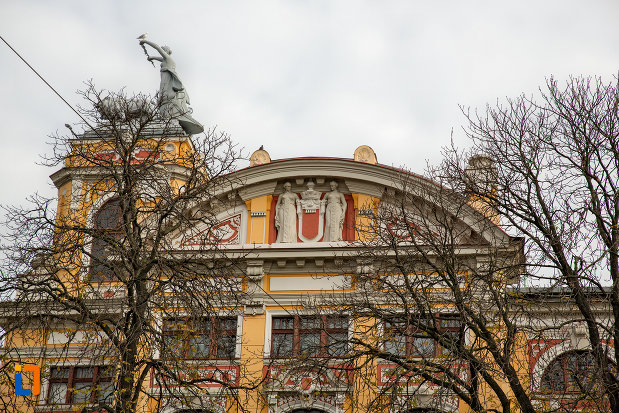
573 372
107 226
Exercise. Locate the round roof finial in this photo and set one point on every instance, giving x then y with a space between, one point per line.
365 154
259 157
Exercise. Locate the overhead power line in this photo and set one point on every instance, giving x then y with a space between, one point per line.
46 82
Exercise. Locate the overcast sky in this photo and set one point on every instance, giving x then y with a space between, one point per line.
301 78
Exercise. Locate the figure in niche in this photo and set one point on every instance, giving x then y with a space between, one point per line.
286 215
335 213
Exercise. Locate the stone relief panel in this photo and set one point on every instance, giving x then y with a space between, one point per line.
228 228
311 215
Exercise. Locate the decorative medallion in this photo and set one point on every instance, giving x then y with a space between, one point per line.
365 154
259 157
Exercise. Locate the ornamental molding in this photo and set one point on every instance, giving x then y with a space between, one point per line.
286 402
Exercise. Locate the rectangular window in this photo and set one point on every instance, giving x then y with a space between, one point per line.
313 336
206 338
408 340
83 384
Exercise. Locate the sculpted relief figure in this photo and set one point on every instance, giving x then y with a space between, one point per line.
311 197
334 214
286 215
172 94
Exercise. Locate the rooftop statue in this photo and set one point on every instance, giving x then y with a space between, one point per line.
174 99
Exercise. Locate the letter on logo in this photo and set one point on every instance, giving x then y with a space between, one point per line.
36 382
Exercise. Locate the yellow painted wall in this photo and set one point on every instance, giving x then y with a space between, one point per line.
364 224
258 226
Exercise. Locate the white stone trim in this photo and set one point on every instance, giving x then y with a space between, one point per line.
284 403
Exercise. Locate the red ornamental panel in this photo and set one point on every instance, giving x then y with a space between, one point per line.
226 231
311 222
138 155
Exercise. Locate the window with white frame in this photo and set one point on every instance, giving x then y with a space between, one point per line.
80 385
203 338
409 338
309 335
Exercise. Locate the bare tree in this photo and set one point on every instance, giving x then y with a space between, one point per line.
557 185
100 291
446 312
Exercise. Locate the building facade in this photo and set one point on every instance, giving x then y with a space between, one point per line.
307 242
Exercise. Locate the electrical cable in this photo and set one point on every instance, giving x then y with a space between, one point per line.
45 81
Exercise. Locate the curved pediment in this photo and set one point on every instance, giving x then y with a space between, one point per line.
316 200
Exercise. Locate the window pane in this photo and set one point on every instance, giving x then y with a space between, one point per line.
282 345
84 373
580 372
309 343
57 393
227 324
454 336
99 268
81 392
337 322
200 346
59 373
226 346
283 323
203 326
553 378
310 323
337 344
105 391
105 373
395 337
422 346
396 344
108 217
172 346
449 323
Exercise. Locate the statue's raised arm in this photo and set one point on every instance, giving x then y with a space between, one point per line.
173 97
